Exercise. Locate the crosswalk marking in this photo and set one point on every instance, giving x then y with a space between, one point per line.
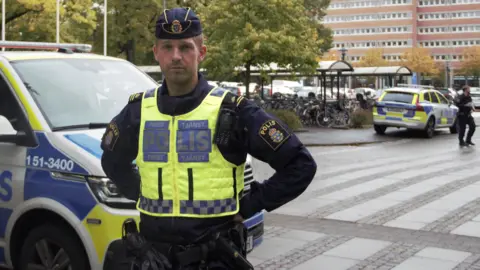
353 193
394 170
443 205
433 192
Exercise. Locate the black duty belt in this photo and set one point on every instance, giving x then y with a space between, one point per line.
220 247
227 245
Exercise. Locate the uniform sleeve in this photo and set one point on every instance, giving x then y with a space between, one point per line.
120 147
270 141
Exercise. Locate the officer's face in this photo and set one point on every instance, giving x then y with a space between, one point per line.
179 59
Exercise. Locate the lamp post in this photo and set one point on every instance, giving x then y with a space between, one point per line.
58 21
343 51
447 69
105 17
3 23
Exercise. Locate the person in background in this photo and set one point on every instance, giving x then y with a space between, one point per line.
464 118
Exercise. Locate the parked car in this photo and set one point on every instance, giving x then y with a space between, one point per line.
475 93
449 93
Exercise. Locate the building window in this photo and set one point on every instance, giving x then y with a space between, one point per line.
448 15
423 3
369 44
450 43
370 30
367 17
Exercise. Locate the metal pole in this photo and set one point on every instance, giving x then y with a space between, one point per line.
105 28
450 49
3 22
58 21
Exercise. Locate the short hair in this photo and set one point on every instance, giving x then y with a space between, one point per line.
466 87
197 39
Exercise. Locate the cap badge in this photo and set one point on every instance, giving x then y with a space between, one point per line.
176 27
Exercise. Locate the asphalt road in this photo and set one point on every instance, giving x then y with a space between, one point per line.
411 203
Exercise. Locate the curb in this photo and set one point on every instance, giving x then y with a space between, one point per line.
341 144
303 130
340 127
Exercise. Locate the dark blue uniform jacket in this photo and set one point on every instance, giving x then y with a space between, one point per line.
463 105
294 166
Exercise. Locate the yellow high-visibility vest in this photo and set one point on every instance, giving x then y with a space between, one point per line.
182 172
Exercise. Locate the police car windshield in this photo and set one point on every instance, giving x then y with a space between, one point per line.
76 92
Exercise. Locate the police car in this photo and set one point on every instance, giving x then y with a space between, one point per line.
414 107
56 205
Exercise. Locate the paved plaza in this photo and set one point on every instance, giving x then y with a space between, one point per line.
406 204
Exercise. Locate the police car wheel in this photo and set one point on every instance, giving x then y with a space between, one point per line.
430 128
52 247
379 129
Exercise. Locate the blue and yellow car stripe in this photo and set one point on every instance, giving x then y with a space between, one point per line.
102 225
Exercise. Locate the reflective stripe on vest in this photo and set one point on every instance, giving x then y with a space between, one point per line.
183 173
197 207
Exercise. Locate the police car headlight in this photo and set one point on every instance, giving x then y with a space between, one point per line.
108 193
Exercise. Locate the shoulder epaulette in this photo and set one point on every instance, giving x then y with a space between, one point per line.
230 98
135 97
233 101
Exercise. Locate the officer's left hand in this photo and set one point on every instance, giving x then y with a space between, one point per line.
238 218
154 260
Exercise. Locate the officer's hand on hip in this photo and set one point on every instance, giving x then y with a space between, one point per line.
238 218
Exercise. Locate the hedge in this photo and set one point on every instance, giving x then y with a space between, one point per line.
360 118
290 118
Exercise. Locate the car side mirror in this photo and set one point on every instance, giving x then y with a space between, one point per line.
8 134
6 127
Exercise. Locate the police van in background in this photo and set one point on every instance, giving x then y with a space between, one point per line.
56 205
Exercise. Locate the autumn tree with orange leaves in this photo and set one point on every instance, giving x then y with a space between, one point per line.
330 56
373 58
471 62
420 60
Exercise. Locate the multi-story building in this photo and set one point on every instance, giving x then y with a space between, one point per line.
446 27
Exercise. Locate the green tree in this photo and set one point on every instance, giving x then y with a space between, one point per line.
130 29
316 10
256 33
35 20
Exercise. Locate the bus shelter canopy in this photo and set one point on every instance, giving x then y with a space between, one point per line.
377 71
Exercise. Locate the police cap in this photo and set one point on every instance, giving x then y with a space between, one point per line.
178 23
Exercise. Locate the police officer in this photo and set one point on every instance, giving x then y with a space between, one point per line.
464 103
190 142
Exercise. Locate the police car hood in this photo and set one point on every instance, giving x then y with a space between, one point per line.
83 147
